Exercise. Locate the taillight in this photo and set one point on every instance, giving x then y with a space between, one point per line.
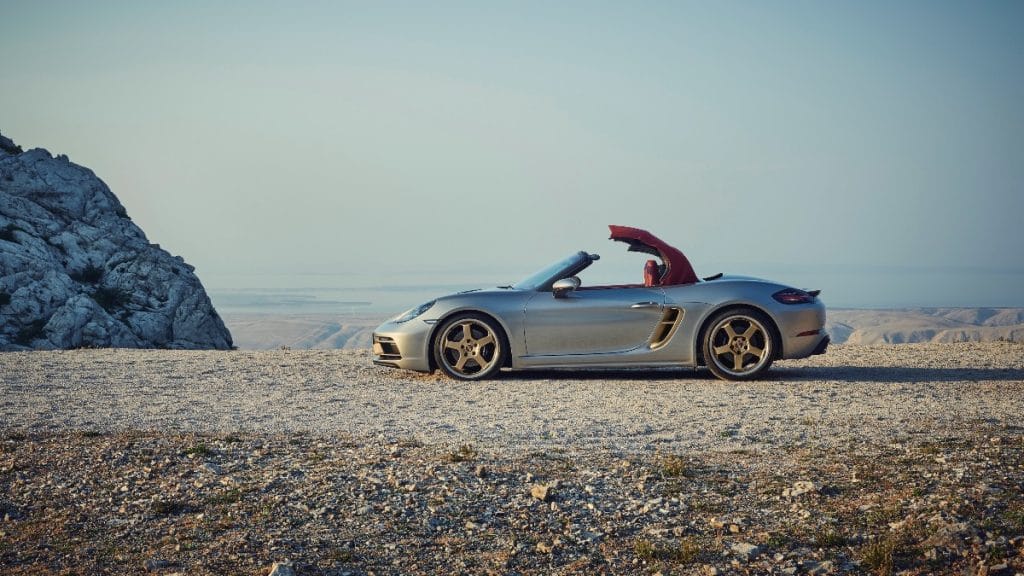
794 296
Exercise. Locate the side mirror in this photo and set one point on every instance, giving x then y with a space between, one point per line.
562 288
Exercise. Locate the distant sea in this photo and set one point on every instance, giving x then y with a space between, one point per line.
389 294
337 300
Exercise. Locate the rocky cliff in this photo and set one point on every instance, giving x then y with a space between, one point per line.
75 271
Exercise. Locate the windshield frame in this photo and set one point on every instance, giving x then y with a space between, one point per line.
542 279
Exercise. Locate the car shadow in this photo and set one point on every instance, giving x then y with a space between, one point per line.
895 374
647 374
851 374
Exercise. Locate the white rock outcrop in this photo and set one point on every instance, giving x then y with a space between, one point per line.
75 271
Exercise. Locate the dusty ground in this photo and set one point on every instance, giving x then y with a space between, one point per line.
866 460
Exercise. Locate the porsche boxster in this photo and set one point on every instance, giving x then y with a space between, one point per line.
736 326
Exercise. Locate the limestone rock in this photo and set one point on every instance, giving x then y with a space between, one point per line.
541 492
746 551
281 569
800 488
819 568
75 271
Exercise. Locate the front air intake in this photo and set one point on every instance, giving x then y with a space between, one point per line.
386 348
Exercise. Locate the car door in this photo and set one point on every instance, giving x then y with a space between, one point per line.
592 321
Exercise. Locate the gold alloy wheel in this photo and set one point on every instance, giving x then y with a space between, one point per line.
469 348
739 346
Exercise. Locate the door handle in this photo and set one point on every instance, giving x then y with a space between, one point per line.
646 305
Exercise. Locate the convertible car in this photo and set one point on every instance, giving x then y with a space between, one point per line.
736 326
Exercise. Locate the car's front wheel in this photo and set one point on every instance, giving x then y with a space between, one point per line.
739 344
470 347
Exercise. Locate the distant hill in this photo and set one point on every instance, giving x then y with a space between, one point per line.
301 331
894 326
909 325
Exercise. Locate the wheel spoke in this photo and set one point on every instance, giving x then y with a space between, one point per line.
719 350
729 330
751 330
755 351
461 364
737 362
450 345
488 339
467 330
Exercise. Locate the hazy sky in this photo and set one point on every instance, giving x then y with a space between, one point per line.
874 150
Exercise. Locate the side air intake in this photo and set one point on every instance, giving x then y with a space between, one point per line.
666 328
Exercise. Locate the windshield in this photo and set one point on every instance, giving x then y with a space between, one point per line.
543 278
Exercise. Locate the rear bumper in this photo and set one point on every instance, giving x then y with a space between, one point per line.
802 329
822 346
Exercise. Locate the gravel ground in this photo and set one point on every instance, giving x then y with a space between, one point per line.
868 460
852 394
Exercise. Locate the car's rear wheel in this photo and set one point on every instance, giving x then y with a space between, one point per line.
470 347
739 344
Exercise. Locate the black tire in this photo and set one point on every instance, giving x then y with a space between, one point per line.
476 357
739 344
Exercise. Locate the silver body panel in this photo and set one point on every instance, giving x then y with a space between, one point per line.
607 327
578 324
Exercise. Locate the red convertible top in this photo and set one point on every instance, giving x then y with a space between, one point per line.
678 268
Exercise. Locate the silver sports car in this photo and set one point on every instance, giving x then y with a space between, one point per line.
736 326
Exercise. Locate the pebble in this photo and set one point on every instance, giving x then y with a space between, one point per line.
339 502
746 551
281 569
541 492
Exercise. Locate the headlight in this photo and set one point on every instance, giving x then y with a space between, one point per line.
410 314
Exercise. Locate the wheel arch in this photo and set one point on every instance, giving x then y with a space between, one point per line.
506 363
705 323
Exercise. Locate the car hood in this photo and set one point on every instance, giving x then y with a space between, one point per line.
679 270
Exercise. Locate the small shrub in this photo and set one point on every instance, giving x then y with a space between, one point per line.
878 555
1014 519
465 453
167 507
779 540
644 549
829 539
340 555
685 552
200 449
674 467
882 516
229 497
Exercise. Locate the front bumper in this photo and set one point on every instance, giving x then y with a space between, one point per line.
404 345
